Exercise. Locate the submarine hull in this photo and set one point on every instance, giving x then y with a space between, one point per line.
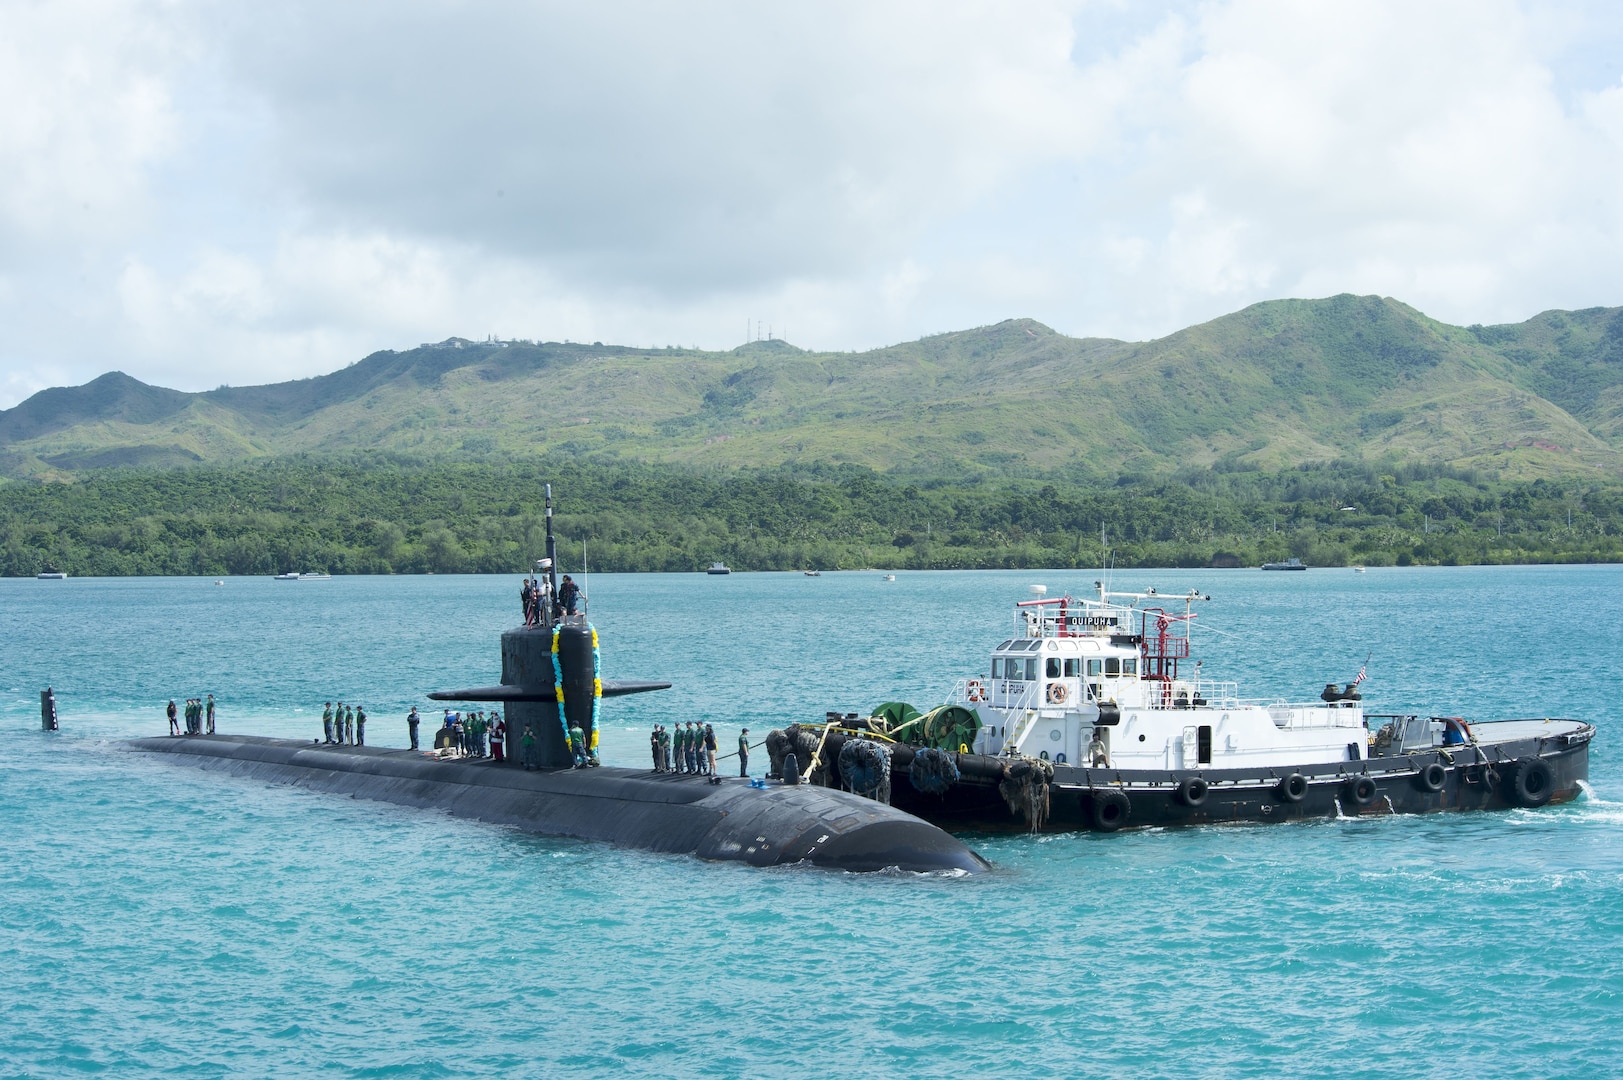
657 812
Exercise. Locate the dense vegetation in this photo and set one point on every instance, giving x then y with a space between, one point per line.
380 515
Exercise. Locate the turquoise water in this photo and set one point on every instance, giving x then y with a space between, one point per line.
159 920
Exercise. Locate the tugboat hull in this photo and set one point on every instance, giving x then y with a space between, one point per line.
1521 773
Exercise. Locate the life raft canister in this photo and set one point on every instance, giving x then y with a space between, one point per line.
1056 693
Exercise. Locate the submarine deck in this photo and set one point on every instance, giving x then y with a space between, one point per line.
654 811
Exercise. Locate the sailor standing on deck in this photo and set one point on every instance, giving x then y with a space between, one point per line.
653 746
577 744
349 724
412 720
211 714
498 737
174 725
527 746
360 726
694 735
710 749
568 596
744 752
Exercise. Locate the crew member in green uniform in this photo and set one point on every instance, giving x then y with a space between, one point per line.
349 724
360 725
211 714
744 752
326 723
527 747
664 748
577 744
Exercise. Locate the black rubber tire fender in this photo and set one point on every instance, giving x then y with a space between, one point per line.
1361 790
1191 791
1431 777
1531 783
1292 789
1109 809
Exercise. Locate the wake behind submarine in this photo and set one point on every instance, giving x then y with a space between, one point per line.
549 682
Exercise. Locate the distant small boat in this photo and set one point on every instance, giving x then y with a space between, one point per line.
303 577
52 575
890 577
1292 564
1358 569
718 568
813 573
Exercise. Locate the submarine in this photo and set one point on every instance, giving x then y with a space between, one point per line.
551 681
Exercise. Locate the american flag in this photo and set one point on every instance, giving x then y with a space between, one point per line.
1363 672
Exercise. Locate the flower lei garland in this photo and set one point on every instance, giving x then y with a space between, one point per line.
597 686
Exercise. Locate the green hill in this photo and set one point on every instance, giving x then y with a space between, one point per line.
1277 384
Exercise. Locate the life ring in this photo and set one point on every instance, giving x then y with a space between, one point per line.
1292 789
1530 782
1110 809
975 691
1432 777
1056 693
1192 791
1361 790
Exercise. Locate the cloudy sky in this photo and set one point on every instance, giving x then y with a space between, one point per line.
200 193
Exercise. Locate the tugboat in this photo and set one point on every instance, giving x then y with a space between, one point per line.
1292 563
1091 719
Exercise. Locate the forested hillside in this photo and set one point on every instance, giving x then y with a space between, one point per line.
375 515
1273 386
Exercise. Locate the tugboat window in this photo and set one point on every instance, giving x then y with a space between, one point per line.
1053 667
1095 667
1031 669
1070 669
1112 666
1129 667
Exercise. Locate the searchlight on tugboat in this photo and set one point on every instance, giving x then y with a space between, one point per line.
1090 716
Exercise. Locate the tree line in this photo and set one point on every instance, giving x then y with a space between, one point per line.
377 514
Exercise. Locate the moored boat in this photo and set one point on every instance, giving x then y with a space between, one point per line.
1091 718
1292 563
51 575
718 569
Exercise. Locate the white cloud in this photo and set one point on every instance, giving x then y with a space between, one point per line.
274 191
